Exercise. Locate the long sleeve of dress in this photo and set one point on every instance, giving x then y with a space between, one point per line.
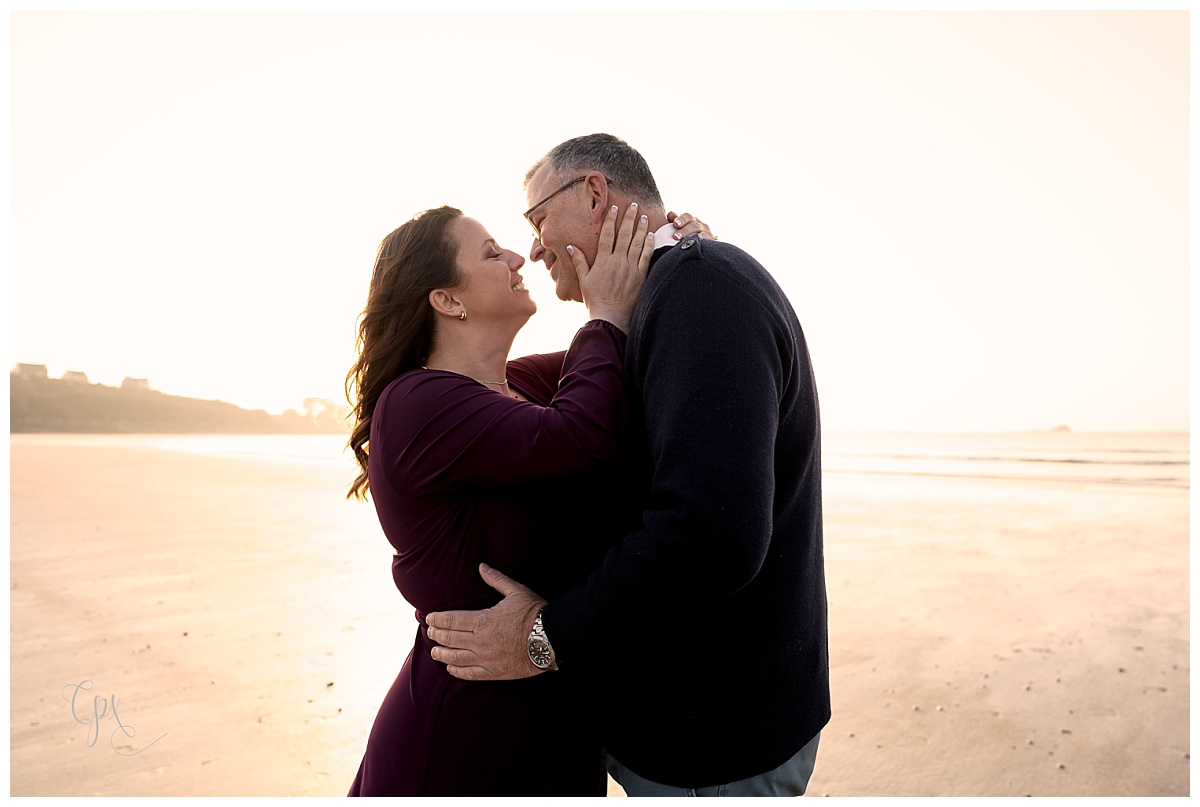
460 475
435 429
537 376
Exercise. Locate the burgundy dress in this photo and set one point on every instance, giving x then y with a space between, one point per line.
461 475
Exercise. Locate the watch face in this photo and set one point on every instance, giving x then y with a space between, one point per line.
539 653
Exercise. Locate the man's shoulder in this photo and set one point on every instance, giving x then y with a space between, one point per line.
694 248
695 264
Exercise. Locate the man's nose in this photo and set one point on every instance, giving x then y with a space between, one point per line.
537 250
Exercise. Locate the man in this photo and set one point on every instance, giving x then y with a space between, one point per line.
707 624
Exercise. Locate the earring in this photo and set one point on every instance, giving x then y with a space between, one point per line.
462 315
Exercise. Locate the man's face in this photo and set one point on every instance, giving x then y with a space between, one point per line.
564 219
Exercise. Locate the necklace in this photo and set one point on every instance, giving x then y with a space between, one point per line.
503 383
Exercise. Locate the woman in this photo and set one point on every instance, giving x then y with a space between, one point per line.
465 455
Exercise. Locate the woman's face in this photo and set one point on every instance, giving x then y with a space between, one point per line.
491 286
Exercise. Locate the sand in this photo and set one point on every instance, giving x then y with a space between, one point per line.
988 638
1006 639
239 607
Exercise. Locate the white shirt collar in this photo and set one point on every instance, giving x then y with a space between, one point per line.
664 236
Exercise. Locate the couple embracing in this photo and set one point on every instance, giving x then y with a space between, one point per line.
615 552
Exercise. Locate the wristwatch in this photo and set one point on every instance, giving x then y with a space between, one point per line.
540 651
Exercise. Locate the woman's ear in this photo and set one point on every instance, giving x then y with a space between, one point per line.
444 302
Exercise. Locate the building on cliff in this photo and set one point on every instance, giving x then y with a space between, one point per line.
30 371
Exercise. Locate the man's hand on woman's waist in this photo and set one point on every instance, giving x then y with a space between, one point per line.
488 645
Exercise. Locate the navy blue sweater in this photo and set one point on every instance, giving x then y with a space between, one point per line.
706 627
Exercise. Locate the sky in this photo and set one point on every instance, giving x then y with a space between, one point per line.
981 218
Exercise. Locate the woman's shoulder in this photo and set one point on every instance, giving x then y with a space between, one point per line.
414 401
416 389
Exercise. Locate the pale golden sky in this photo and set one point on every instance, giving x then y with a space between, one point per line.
982 219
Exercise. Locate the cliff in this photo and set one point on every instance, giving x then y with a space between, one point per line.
54 406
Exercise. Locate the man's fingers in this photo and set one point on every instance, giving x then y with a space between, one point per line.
451 638
453 657
469 673
500 581
453 620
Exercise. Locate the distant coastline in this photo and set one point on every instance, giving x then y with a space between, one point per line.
51 406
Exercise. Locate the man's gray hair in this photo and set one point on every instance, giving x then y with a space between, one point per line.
622 166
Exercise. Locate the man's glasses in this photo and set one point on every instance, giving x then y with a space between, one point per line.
529 219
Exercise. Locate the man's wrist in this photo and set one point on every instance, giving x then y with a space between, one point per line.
541 652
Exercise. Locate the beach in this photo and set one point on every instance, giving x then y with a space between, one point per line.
991 634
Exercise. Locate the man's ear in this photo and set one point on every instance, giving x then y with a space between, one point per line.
444 302
597 189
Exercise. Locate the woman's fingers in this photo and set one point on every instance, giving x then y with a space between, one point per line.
611 285
686 224
647 251
629 238
579 262
632 236
638 241
608 231
624 244
679 221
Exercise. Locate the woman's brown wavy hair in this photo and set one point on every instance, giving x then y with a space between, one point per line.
395 330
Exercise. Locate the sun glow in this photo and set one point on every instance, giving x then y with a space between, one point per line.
981 218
